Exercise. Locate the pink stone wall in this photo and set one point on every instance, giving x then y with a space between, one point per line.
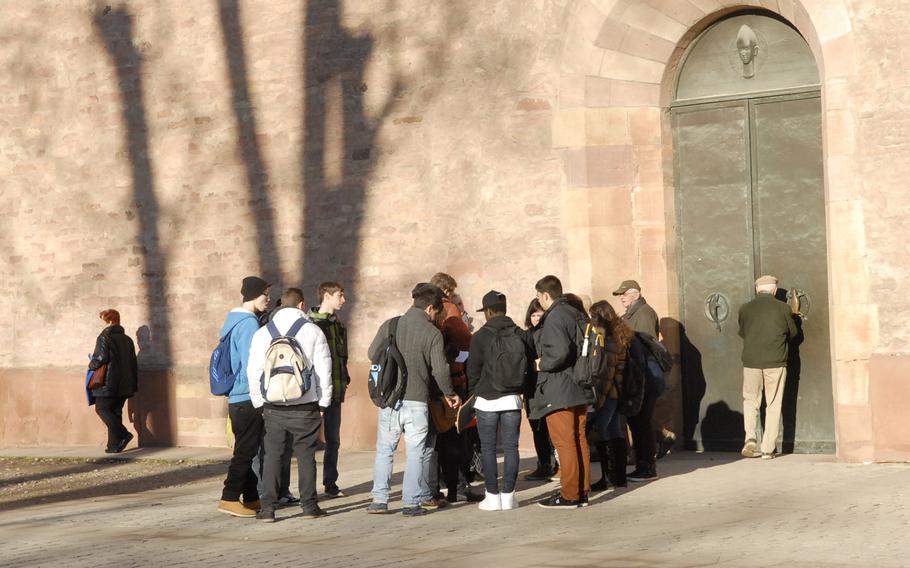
153 154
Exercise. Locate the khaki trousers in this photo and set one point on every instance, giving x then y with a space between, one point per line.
567 430
772 381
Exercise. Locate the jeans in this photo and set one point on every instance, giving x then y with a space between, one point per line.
488 424
412 419
331 427
110 410
607 421
302 423
246 423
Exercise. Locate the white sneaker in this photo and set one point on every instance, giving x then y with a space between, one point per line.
508 501
490 502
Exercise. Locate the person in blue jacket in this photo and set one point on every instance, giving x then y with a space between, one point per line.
246 421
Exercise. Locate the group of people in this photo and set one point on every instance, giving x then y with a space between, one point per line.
502 368
499 370
268 428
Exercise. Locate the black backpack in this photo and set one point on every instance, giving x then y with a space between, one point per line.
658 350
633 384
506 363
592 364
388 374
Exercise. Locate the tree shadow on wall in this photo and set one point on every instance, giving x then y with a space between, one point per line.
114 27
257 176
338 153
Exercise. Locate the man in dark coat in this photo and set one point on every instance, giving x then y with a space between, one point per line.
558 397
766 326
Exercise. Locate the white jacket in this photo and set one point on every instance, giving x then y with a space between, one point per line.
315 348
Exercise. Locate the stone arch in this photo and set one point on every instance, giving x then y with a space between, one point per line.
619 65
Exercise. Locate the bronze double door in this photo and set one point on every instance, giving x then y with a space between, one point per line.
750 197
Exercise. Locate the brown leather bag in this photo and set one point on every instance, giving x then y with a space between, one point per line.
98 376
442 414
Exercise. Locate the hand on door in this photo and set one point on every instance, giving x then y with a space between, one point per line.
794 303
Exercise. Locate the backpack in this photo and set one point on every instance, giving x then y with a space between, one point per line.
221 372
633 383
286 373
506 362
388 374
591 362
658 350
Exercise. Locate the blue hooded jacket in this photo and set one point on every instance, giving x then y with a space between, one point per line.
245 325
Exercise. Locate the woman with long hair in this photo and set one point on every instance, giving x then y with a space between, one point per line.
116 350
608 424
542 444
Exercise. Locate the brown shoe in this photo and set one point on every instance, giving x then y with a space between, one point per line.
236 508
555 475
254 505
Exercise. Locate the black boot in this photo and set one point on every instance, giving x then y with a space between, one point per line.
618 451
604 468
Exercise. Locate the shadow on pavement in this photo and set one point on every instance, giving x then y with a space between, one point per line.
125 486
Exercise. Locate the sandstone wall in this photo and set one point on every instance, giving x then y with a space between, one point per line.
153 154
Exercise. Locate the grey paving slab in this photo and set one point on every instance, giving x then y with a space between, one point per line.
705 510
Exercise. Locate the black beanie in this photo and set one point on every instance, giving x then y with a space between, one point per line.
253 287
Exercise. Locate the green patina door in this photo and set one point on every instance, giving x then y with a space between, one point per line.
750 195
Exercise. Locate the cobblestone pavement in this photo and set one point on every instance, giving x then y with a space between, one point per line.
705 510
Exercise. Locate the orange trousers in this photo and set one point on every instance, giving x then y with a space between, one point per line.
567 431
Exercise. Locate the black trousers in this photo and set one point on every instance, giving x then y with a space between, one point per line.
246 423
110 410
302 422
451 448
542 444
642 428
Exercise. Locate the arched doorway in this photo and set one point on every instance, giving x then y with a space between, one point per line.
746 121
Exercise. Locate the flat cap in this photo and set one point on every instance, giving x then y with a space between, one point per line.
626 285
766 281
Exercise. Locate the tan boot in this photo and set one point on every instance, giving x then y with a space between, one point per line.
254 505
236 509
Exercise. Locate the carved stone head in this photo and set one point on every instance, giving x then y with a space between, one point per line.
747 47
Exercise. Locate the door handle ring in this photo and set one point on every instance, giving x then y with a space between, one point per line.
717 309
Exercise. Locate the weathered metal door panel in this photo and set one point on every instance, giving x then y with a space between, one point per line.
751 202
790 235
716 269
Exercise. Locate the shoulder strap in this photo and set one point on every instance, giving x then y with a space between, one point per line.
240 321
296 327
273 330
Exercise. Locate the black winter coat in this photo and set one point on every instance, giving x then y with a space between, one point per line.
116 349
479 353
558 351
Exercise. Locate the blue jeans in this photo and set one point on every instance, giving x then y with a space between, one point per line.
488 424
607 421
412 419
331 427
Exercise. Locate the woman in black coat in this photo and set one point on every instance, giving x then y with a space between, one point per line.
114 348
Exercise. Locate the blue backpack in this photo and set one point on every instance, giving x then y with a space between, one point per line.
221 372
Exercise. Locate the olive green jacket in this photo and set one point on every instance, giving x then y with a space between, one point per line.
766 326
642 318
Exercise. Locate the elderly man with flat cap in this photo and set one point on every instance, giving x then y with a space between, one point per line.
766 326
639 315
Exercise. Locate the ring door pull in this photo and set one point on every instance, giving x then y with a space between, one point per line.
717 309
799 302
